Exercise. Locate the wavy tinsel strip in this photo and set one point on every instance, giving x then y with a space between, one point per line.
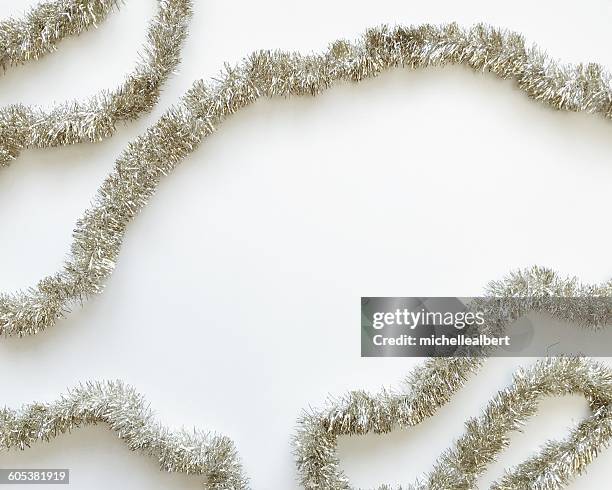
215 457
139 169
98 234
126 412
96 118
430 387
45 25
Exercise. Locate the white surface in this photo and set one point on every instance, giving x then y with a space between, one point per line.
235 301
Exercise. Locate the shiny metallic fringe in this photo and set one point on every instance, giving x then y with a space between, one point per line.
357 413
96 118
127 413
45 25
98 235
458 468
431 386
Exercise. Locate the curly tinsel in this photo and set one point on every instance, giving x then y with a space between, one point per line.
430 387
138 171
96 118
215 457
45 25
126 412
98 234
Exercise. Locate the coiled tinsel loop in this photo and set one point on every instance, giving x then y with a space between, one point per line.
430 387
140 168
96 118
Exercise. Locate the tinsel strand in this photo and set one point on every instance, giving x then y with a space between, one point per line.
126 412
458 468
98 236
138 171
433 384
96 118
44 26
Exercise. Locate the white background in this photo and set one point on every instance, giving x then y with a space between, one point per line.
235 303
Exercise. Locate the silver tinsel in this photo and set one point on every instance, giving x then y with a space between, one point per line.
98 234
430 387
96 118
38 34
356 413
126 412
138 171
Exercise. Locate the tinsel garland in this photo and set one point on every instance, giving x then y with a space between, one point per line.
215 457
432 385
485 436
126 412
98 235
96 118
45 25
